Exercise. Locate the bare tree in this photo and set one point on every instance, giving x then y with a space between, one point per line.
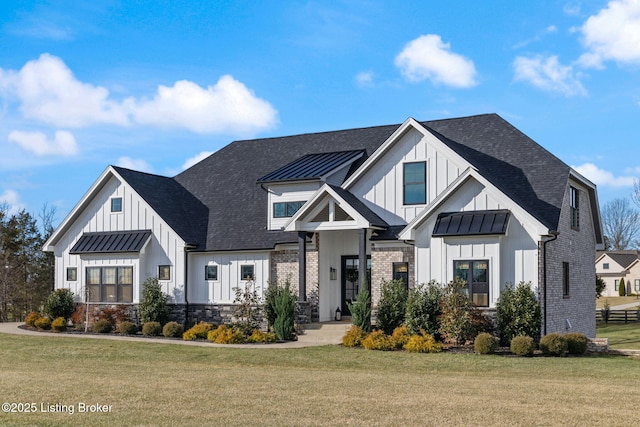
621 224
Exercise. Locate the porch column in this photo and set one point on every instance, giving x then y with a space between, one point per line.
362 259
302 265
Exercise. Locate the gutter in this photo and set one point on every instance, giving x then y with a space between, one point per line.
553 234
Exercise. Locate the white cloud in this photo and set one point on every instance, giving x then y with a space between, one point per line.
63 143
613 34
548 74
11 199
47 91
427 57
228 106
196 159
602 177
364 79
135 164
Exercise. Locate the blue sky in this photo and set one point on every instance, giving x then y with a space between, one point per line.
156 85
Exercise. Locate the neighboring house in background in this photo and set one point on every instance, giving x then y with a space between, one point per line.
614 267
470 197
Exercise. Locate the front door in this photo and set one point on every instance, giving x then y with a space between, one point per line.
350 280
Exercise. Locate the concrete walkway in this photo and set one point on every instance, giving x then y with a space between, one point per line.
316 334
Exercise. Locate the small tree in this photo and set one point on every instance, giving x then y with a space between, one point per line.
285 311
457 319
423 309
153 305
392 306
361 310
518 313
248 312
600 286
622 288
60 304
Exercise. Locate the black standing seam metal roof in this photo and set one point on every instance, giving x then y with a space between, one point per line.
111 242
312 166
471 223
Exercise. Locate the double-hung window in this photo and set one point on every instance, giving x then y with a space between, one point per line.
109 284
414 183
475 275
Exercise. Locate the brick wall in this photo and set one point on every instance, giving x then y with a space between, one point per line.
382 260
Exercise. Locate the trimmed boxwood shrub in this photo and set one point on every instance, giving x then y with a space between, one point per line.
59 324
553 344
172 330
31 318
128 328
423 343
102 326
485 343
523 345
151 329
576 343
354 337
43 323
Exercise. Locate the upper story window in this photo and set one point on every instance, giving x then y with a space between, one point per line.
286 209
605 266
414 183
574 203
116 204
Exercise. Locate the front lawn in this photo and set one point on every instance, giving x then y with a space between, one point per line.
152 384
614 301
621 336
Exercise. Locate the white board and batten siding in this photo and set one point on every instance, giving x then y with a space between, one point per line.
289 192
229 267
164 248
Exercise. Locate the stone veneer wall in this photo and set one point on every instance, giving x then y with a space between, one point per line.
382 260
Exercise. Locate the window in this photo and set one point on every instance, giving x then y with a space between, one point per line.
286 209
109 284
475 274
401 272
211 272
72 274
574 202
636 285
164 272
246 272
565 279
605 266
116 204
616 285
415 183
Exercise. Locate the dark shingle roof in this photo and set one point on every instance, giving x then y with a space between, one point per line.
218 204
471 223
111 242
624 258
311 166
358 205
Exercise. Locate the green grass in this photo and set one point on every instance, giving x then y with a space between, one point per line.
150 384
621 336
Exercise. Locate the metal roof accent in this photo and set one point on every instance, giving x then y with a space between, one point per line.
110 242
312 166
472 223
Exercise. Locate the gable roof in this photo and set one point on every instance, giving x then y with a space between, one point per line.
229 210
623 258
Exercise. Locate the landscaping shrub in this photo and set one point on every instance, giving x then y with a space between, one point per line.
78 317
102 326
128 328
248 310
392 306
32 318
423 309
622 287
260 336
226 335
360 310
518 312
59 324
553 344
43 323
60 304
522 345
151 329
378 340
153 304
198 331
354 337
423 343
485 343
172 330
285 311
576 343
400 336
115 315
457 319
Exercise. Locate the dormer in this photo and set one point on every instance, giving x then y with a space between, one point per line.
291 185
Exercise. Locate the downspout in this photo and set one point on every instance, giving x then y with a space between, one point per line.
187 247
554 235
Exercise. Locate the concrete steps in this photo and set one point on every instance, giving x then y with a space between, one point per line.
325 332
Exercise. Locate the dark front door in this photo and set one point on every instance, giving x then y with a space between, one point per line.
350 281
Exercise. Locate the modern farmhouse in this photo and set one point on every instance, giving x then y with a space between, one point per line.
470 197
